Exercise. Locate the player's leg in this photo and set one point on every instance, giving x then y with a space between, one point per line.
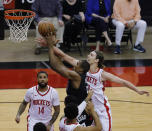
105 117
106 123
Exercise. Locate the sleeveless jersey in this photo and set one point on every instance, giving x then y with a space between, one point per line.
41 103
100 101
67 127
94 81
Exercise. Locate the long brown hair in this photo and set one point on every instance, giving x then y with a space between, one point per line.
99 55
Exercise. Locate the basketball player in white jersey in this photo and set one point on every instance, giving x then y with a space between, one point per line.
95 78
42 99
69 122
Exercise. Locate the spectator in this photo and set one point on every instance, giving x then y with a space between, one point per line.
1 20
72 8
49 10
126 13
94 12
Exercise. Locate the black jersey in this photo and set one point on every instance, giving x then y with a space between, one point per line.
84 119
80 93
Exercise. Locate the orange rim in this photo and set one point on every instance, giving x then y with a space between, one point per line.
7 16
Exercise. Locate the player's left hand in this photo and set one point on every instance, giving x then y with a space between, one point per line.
51 39
143 92
43 43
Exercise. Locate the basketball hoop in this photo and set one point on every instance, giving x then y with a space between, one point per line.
19 21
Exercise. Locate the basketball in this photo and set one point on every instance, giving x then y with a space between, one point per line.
46 28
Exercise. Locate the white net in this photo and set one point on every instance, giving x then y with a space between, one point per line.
19 21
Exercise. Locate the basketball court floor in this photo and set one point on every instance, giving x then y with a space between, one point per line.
19 65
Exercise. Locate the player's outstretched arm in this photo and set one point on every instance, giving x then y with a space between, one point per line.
21 110
71 60
59 67
113 78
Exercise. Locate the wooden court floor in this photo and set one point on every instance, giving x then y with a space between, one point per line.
130 111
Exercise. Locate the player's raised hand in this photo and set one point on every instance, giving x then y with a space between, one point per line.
51 40
143 92
41 41
17 119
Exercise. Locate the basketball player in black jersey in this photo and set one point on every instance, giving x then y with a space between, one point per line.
81 69
74 76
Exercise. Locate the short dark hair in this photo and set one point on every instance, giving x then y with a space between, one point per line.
42 72
99 55
70 99
85 66
39 127
71 111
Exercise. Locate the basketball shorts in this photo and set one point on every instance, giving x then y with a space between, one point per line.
104 114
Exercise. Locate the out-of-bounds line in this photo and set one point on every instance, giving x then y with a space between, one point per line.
137 102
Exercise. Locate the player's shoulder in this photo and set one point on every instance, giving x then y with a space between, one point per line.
31 89
52 89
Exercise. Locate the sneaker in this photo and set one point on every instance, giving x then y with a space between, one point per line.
139 48
117 50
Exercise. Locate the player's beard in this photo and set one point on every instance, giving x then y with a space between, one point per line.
42 85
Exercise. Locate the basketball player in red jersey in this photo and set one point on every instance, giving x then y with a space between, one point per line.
42 99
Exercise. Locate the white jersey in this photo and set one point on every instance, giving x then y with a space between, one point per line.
67 127
41 103
94 81
101 105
